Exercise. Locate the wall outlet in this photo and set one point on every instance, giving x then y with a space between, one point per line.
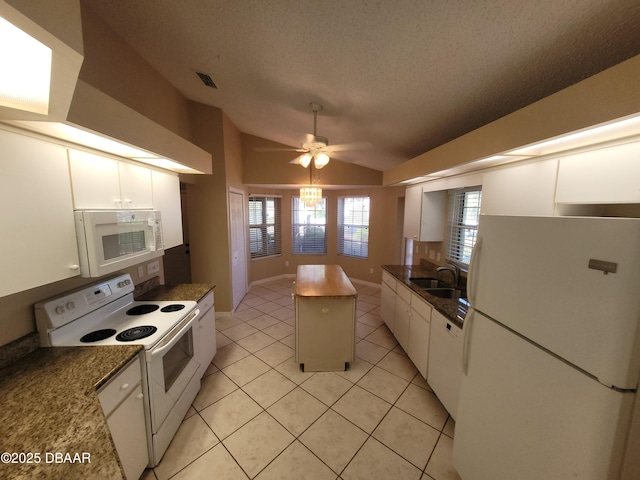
371 270
153 267
426 249
432 254
140 271
438 257
286 263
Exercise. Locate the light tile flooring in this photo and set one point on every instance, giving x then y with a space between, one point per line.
258 416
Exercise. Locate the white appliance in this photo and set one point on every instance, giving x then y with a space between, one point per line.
551 355
110 240
106 314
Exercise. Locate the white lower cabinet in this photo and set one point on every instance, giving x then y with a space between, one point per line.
419 331
388 306
122 401
206 341
401 323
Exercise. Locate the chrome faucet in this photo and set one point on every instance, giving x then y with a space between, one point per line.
454 270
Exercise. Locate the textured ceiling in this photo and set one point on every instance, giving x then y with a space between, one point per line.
405 76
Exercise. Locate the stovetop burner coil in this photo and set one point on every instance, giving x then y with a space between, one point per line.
174 307
136 333
97 335
142 309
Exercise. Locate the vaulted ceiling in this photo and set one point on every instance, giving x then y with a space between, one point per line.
404 76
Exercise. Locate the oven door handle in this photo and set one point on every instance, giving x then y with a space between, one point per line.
173 336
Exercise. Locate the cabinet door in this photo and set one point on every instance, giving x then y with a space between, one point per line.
135 186
206 341
38 237
401 323
129 434
606 175
95 180
388 305
412 212
419 330
432 217
166 199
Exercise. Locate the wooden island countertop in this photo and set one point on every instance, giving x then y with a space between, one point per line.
323 281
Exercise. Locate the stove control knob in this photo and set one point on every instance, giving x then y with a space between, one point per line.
71 305
60 310
124 283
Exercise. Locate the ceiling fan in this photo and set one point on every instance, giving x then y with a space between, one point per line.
316 147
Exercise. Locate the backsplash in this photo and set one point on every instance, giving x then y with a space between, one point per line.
19 348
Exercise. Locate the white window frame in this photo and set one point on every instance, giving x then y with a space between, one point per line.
308 219
464 214
266 248
353 224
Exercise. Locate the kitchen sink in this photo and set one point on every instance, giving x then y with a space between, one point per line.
452 293
428 282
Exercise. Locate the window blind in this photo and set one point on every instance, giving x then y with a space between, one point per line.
464 213
308 227
353 226
265 231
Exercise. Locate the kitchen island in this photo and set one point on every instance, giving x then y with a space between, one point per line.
325 312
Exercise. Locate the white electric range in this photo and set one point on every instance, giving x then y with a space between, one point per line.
106 314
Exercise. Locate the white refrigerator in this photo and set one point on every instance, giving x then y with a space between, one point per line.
551 355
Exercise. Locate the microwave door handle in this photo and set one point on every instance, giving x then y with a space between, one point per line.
174 336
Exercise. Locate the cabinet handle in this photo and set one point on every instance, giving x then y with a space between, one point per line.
325 310
124 386
74 267
140 396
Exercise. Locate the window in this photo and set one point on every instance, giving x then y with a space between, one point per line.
309 226
353 226
264 226
464 213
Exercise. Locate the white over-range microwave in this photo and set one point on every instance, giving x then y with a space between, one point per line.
110 240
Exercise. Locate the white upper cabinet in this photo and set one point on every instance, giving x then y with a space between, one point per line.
526 189
103 183
424 214
606 175
38 237
166 198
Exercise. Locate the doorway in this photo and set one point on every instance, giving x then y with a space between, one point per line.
238 247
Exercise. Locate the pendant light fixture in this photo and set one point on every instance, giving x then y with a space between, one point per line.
310 195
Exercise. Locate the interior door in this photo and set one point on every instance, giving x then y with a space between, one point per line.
238 247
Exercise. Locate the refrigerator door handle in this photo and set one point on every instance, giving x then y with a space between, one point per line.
466 339
475 258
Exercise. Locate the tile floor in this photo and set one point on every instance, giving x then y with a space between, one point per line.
258 416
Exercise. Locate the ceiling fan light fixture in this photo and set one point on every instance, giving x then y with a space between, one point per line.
310 196
320 160
305 160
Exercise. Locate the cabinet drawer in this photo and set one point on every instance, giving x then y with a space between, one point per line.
120 386
206 302
389 280
404 293
421 307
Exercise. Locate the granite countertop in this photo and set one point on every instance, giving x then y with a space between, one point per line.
186 291
49 405
454 310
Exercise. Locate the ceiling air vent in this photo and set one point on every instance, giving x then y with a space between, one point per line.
207 80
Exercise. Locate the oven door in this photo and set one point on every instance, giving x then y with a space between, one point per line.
171 364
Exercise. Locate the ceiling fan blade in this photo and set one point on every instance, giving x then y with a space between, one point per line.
267 149
350 146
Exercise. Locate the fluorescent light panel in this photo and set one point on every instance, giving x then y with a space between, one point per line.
26 70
